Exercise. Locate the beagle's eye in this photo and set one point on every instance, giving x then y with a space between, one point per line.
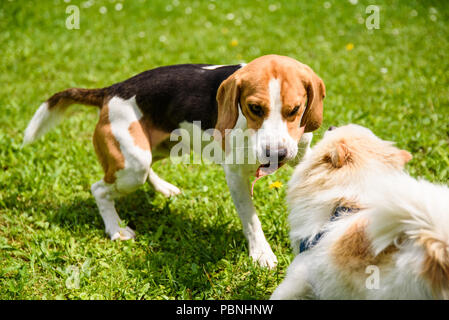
256 109
294 111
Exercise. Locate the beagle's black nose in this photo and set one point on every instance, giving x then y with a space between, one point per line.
331 128
280 154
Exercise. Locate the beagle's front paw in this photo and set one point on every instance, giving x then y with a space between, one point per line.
265 258
122 234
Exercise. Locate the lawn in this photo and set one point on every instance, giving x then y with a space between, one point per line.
394 80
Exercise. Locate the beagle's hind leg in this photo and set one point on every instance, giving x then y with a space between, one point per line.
125 157
105 194
127 181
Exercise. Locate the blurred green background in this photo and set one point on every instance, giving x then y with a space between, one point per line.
393 80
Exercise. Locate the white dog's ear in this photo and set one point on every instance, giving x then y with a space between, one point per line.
340 155
403 156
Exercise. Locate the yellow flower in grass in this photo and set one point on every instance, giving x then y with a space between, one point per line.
349 46
276 185
234 43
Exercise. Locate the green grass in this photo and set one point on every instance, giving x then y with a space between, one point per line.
394 81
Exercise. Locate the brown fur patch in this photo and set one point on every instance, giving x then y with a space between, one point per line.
436 265
107 147
341 155
139 135
402 157
294 129
145 135
352 252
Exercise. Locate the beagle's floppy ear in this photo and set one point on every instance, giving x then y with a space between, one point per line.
316 91
228 95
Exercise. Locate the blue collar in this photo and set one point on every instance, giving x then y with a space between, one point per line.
309 242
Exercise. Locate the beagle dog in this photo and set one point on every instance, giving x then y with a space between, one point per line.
278 99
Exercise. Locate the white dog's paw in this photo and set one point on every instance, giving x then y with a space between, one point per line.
122 234
276 295
167 189
265 258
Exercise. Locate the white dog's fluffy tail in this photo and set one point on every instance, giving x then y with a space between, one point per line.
420 210
51 112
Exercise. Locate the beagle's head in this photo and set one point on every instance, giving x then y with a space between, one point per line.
280 98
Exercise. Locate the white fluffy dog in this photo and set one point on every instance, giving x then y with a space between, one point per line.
365 229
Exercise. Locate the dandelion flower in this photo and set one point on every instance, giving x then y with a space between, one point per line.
276 185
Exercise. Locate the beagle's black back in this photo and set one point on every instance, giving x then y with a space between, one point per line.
173 94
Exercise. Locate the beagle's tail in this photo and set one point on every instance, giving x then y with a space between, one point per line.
419 210
51 112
